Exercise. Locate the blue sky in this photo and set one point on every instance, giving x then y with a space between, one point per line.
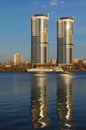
15 25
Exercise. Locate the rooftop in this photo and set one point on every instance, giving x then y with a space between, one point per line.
41 15
67 18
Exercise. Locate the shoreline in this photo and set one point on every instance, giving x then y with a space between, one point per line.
44 72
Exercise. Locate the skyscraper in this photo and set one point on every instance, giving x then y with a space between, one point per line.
65 40
39 38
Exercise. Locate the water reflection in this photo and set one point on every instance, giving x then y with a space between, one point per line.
65 101
39 100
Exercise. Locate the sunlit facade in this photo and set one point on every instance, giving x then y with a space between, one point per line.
39 38
65 49
18 59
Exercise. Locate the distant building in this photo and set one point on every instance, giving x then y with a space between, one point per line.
53 61
65 40
39 38
84 61
18 59
76 61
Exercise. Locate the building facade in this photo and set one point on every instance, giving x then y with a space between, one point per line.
65 48
39 38
18 59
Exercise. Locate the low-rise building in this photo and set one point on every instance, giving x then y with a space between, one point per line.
84 61
53 61
76 61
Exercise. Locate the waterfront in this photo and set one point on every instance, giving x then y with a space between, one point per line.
42 101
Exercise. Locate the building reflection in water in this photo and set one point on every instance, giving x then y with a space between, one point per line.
65 101
39 100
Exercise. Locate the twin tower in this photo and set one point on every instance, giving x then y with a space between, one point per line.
39 39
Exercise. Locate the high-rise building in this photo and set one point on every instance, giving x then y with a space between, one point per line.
18 59
65 47
39 38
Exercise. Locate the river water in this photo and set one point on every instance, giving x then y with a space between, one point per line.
47 101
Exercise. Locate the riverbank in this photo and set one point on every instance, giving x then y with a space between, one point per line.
24 68
28 70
